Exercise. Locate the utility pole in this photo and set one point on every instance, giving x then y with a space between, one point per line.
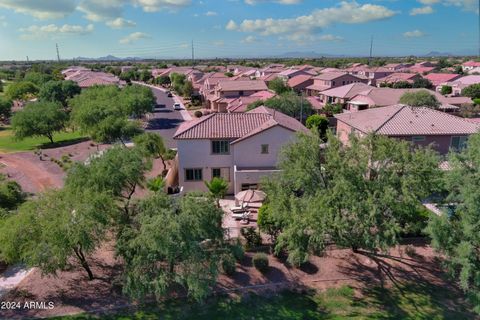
193 55
58 52
27 59
371 50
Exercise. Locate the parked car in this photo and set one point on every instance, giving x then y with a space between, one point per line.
177 106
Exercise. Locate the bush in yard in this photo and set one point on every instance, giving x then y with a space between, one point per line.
198 114
228 265
237 251
260 261
252 236
446 90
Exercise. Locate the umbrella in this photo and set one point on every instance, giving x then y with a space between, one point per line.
250 196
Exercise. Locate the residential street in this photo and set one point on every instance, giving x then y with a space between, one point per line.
165 120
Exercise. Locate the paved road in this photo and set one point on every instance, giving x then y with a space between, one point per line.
165 120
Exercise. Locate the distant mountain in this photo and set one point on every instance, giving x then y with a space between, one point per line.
438 54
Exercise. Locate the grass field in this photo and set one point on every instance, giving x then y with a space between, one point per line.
9 144
409 302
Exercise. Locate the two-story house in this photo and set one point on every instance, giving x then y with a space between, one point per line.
238 147
227 91
331 80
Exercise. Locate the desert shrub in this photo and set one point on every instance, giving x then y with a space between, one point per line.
228 264
237 251
260 261
198 114
252 237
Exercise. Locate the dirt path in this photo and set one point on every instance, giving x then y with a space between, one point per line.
35 174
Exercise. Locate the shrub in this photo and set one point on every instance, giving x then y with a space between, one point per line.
446 90
198 114
237 251
266 222
260 261
228 265
410 251
252 236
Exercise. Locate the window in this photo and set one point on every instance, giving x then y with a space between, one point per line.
220 147
216 173
458 143
193 175
333 83
223 173
418 139
343 82
249 186
264 148
240 93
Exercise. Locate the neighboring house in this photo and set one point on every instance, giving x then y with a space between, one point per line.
331 80
421 126
300 83
341 95
459 84
437 78
241 104
285 75
241 148
381 97
371 74
396 66
86 78
227 91
470 65
393 78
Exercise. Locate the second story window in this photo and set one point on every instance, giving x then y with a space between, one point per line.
220 147
193 174
264 148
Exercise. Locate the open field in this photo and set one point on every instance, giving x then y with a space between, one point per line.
409 302
9 144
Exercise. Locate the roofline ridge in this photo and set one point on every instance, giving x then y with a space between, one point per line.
194 125
390 118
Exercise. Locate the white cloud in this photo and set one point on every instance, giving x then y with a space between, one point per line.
330 37
120 23
428 2
219 43
414 34
249 39
52 30
422 10
211 13
468 5
134 37
253 2
3 21
101 10
304 27
157 5
41 9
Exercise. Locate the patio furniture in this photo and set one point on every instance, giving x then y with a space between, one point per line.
241 215
240 208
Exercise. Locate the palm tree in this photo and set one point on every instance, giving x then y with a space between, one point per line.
218 187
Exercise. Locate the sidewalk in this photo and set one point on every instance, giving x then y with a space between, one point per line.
12 277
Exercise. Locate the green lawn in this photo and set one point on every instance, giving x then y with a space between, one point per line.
409 302
9 144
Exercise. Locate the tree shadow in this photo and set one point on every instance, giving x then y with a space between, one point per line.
62 143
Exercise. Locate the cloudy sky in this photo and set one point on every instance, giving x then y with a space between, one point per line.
222 28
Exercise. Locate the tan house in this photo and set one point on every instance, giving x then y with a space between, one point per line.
341 95
421 126
227 91
241 148
331 80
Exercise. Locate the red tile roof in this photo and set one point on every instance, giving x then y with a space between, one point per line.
401 120
300 79
236 126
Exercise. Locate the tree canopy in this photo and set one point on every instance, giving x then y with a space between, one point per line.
39 119
278 85
361 196
5 108
22 90
58 91
457 234
173 244
472 91
420 98
58 226
290 104
319 123
422 83
103 111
